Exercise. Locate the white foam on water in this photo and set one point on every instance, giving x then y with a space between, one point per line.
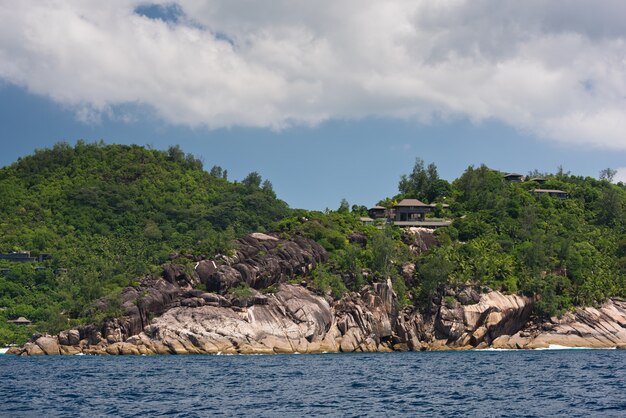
550 347
565 347
4 350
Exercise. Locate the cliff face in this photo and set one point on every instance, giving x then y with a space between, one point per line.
296 320
260 261
292 320
169 315
586 327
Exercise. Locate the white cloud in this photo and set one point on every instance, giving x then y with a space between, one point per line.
548 67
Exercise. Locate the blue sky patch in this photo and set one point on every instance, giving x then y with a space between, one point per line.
170 13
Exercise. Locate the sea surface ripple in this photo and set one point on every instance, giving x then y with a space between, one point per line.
572 383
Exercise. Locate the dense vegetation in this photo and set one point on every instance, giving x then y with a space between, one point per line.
108 214
570 252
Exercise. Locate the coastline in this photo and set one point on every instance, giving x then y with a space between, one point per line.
177 313
551 347
296 321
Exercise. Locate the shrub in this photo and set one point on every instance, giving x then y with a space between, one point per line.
326 282
242 291
449 301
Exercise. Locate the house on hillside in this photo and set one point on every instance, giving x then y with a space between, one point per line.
539 180
18 257
20 321
24 257
377 212
407 213
514 177
408 210
559 194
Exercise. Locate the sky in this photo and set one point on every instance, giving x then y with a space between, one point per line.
327 99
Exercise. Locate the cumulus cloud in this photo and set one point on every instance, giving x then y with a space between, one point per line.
548 67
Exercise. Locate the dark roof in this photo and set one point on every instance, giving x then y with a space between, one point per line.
514 175
411 202
537 179
20 320
547 191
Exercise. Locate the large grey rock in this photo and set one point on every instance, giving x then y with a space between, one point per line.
263 261
603 327
49 345
419 240
293 320
449 324
205 269
63 338
73 337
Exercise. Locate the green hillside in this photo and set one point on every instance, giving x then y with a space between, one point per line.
569 251
107 214
102 216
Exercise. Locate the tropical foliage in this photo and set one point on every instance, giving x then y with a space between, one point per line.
108 214
504 236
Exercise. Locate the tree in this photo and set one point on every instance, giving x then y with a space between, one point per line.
267 186
611 207
344 206
217 171
423 183
433 271
608 174
415 184
252 180
438 188
561 173
481 188
359 210
536 173
175 153
383 249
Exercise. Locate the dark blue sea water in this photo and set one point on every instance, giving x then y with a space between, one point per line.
570 383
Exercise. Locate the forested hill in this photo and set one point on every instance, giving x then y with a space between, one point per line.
107 214
557 236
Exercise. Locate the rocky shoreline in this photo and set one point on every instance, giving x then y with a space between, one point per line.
294 320
172 315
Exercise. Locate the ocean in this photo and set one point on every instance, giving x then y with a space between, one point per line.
568 383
